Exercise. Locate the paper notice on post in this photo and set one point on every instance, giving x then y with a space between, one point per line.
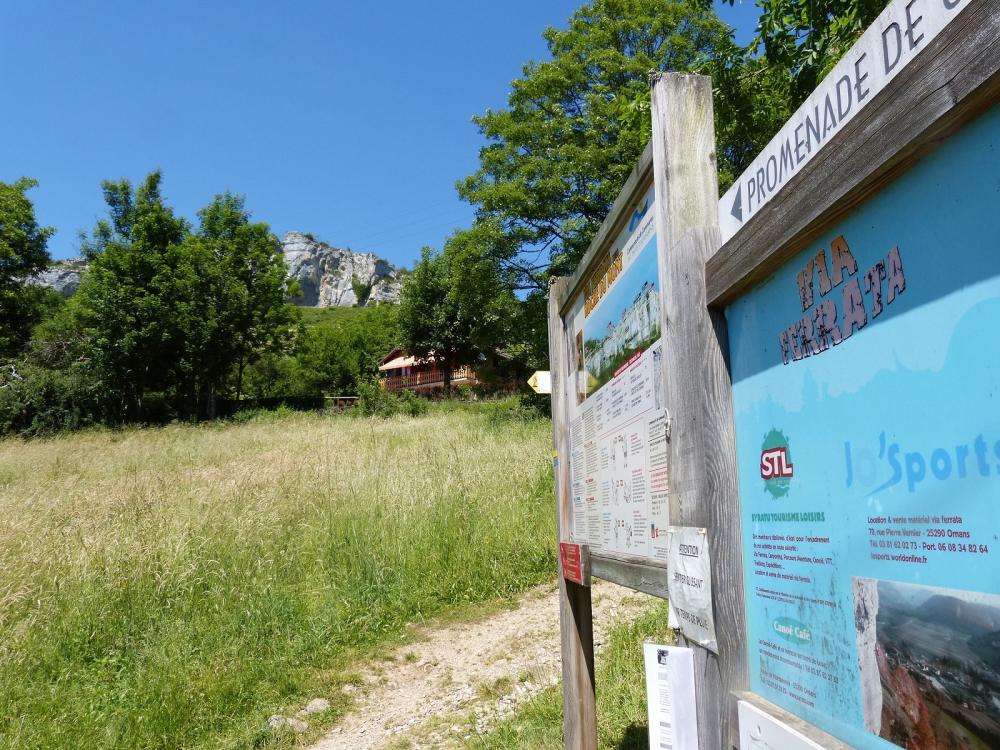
689 584
670 697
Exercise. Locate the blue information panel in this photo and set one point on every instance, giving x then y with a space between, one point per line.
866 386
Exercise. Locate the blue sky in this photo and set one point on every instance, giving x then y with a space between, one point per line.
347 120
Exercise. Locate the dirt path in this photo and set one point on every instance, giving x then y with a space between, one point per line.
459 679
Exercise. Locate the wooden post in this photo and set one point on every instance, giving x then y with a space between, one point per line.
703 482
576 626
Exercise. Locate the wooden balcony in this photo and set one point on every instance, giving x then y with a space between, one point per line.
428 380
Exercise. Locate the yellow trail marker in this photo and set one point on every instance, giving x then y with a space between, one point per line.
541 381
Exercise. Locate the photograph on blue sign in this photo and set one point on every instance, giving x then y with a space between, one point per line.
626 322
866 392
934 655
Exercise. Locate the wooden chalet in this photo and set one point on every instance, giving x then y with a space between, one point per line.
399 371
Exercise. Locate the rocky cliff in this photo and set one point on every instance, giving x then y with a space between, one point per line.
327 276
334 277
63 276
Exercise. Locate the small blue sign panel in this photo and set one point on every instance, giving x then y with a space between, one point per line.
866 387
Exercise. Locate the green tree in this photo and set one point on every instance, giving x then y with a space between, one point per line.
23 253
177 315
250 283
454 306
573 128
806 38
134 338
340 348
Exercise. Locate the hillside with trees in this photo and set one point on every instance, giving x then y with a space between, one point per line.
167 318
174 316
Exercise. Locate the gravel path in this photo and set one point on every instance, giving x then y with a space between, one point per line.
459 679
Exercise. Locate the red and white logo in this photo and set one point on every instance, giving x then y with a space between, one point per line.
774 463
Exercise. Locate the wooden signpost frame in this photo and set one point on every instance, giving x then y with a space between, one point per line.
954 80
680 162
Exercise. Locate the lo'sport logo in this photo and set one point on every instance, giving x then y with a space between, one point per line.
776 464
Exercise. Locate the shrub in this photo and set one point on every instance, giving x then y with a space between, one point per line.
411 404
41 401
376 401
517 408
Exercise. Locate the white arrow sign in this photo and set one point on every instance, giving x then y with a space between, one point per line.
541 382
898 35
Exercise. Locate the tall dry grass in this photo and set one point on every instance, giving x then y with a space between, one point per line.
171 587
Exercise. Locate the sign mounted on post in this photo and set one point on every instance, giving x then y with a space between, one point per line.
865 407
541 381
870 526
617 421
574 561
903 30
621 378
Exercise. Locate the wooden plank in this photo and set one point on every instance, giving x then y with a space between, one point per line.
575 609
635 185
701 444
951 82
635 573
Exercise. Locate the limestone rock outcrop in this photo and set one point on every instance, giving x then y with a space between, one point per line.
327 276
62 275
335 277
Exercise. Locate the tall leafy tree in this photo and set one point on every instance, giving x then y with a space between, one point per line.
251 286
574 127
23 253
453 307
125 299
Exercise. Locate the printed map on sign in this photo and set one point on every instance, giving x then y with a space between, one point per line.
618 456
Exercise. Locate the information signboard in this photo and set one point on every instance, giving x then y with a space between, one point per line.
617 422
866 383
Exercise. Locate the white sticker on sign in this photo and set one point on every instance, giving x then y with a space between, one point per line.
670 697
761 731
689 584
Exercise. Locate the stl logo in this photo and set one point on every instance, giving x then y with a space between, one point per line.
776 464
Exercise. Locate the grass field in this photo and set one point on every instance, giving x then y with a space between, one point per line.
173 587
313 317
